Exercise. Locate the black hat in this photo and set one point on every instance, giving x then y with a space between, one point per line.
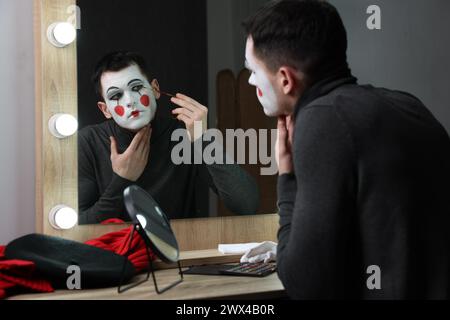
53 256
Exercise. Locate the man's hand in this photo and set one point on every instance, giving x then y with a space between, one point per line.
131 164
283 145
189 112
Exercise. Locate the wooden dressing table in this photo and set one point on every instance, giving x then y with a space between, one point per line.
193 287
202 287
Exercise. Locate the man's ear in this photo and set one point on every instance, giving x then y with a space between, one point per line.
155 86
286 80
104 109
290 80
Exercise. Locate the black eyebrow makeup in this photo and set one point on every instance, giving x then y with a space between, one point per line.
134 80
111 88
112 92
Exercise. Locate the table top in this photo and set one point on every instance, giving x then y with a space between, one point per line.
192 287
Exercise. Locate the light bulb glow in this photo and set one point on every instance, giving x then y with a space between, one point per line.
63 217
66 125
63 125
64 33
61 34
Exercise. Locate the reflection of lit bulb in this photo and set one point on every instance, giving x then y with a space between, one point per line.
142 220
63 217
61 34
63 125
159 211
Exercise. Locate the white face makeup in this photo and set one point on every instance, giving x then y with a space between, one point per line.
129 97
264 89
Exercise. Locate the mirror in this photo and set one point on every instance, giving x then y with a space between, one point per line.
195 48
154 224
154 228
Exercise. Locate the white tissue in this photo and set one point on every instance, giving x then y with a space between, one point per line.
237 248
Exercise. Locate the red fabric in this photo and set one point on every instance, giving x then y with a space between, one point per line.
113 221
118 242
19 274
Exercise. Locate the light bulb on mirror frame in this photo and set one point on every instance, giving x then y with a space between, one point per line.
62 125
61 34
63 217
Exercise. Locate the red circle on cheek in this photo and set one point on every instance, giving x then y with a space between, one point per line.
145 100
260 94
119 110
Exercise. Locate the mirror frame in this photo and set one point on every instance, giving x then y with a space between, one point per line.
56 159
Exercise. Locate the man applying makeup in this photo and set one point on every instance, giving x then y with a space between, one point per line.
133 146
364 172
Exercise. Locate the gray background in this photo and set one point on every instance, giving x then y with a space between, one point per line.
410 53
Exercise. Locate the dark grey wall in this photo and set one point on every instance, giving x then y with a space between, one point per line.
411 52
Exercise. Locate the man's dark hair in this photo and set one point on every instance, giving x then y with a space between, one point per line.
116 61
305 34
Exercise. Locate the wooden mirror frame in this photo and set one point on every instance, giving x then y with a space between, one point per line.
56 159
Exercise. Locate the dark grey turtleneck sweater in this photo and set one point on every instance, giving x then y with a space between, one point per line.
371 186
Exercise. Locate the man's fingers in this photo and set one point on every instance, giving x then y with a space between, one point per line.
289 122
184 104
290 128
281 124
190 100
282 131
137 139
135 142
146 144
184 111
150 130
187 121
113 147
144 140
146 154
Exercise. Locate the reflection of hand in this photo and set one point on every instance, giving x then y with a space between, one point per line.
283 145
130 164
189 112
266 251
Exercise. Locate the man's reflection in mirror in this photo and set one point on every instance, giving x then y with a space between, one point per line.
133 146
